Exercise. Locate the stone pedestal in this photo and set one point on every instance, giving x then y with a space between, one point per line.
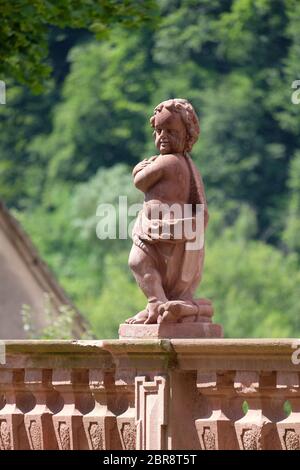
171 330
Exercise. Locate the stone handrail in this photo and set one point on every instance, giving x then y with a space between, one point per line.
150 394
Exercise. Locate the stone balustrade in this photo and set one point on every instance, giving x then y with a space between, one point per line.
150 394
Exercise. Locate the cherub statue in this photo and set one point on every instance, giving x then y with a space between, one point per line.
167 267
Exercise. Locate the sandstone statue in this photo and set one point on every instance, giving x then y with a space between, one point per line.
168 236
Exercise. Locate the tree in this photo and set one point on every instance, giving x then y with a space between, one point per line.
24 117
236 61
60 156
25 25
292 212
100 119
254 286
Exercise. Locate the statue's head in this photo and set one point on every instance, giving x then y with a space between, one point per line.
176 126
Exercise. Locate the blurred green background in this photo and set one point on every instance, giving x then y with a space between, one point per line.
81 86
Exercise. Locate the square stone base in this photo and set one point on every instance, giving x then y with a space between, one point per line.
171 330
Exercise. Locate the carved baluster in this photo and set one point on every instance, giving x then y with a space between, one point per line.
12 428
273 408
257 429
38 421
252 427
216 429
289 428
152 401
100 423
67 422
94 421
126 421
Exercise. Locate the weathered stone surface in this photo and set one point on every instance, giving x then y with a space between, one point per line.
171 330
141 393
167 254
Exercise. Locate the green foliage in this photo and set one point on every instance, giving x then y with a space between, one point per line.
61 244
71 149
59 325
254 286
67 238
120 297
24 117
292 229
236 61
105 187
25 23
100 119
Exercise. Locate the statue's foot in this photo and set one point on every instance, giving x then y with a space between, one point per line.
153 312
205 308
174 310
140 317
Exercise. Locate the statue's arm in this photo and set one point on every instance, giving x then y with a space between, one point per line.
150 174
141 165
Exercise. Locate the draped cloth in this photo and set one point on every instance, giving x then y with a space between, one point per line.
180 263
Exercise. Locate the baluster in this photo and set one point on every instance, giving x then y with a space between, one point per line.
68 425
12 429
38 421
289 428
216 429
126 420
257 429
100 423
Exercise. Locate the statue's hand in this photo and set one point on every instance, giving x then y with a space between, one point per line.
141 165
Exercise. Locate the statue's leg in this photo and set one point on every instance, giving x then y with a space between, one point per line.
149 280
182 306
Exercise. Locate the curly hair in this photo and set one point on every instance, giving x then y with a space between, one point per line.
188 116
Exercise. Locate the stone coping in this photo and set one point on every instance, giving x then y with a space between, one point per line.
154 354
210 347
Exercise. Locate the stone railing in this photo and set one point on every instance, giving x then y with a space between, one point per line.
150 394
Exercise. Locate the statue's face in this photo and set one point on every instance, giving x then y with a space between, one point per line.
170 132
